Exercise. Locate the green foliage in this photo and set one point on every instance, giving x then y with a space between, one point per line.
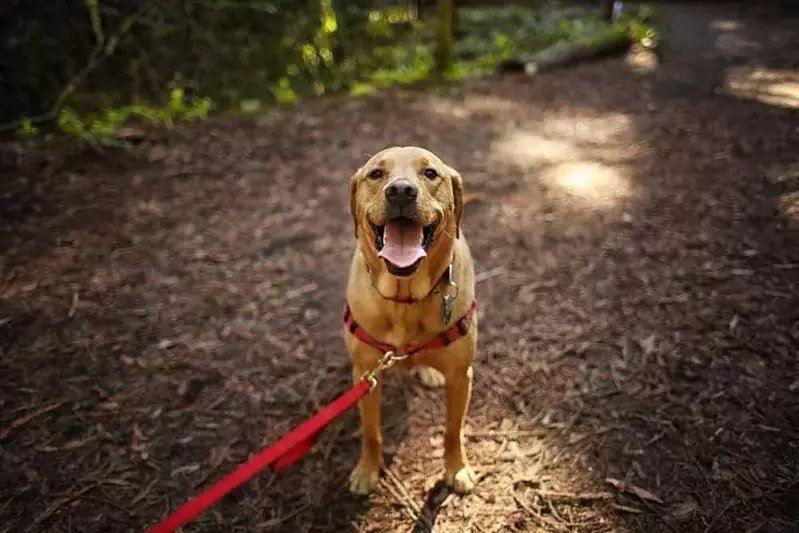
249 54
283 92
644 34
27 131
102 129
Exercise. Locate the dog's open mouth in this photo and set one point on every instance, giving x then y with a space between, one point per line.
402 243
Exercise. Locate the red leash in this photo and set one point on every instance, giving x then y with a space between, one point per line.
280 455
300 440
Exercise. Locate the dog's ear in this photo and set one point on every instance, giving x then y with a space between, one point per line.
457 196
353 204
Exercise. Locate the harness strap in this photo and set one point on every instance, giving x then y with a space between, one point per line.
443 339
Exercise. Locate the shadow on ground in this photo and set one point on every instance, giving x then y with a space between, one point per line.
161 319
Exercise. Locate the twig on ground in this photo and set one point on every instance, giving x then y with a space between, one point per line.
578 497
274 522
536 515
488 274
143 494
507 434
556 514
719 515
404 492
641 494
61 502
19 422
74 305
627 508
407 505
299 291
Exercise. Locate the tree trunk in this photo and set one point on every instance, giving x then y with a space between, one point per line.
607 10
425 7
604 43
445 36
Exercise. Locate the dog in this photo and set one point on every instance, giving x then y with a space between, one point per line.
411 291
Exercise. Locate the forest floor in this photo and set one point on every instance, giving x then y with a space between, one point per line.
163 317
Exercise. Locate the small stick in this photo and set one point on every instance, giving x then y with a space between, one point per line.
27 418
574 496
537 516
408 506
61 502
74 306
283 519
403 490
141 495
504 434
627 508
488 274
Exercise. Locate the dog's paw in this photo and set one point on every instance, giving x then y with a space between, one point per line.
461 480
430 377
364 478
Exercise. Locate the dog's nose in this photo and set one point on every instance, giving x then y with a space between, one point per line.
400 193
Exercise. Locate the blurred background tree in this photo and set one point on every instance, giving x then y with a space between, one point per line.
87 67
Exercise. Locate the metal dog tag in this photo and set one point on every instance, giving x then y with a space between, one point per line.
448 297
446 307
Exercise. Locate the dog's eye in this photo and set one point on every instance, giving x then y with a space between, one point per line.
430 173
376 174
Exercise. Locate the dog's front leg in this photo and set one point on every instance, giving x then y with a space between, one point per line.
366 475
459 474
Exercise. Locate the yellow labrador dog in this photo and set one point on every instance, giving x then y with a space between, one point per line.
411 291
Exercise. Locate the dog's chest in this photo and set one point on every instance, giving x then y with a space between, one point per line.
412 326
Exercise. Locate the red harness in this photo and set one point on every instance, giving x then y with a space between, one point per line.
443 339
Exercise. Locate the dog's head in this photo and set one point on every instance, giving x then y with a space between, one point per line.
406 205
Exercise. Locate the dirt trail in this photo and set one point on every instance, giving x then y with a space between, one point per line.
162 318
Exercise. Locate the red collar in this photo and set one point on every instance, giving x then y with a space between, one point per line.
443 339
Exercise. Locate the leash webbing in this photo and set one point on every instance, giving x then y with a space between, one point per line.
278 456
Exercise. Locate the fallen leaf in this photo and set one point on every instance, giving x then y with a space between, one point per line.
164 344
683 511
648 344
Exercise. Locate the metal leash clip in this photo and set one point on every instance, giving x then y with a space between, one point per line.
388 360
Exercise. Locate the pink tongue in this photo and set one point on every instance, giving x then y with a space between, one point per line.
402 244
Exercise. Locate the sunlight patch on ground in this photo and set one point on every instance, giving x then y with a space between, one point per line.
734 44
491 104
789 205
472 104
526 149
642 60
603 128
775 87
788 179
520 462
447 108
596 184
